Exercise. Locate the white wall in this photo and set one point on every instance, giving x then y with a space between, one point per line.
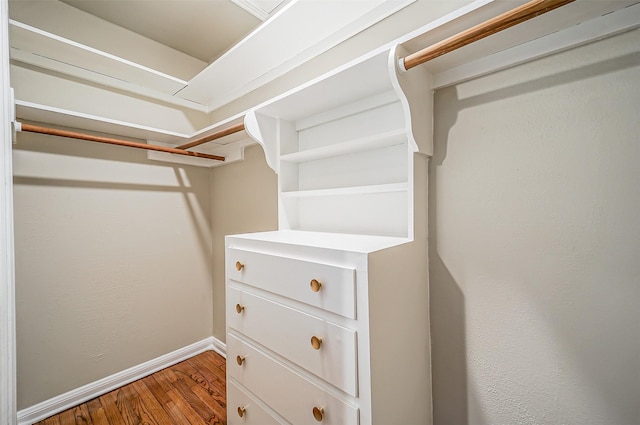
7 276
535 242
113 261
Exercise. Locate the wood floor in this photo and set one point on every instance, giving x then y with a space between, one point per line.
190 392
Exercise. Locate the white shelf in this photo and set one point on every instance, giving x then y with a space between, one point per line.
359 106
366 77
60 51
63 117
231 147
326 25
390 138
342 191
336 241
342 145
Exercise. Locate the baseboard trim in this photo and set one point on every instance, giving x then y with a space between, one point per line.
219 346
94 389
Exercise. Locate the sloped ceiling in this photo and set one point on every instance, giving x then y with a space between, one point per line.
198 54
156 69
202 29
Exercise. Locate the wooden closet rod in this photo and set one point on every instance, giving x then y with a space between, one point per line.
501 22
227 131
63 133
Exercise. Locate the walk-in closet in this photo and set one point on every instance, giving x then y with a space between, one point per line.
349 212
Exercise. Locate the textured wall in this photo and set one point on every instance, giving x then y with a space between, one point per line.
535 242
244 199
112 261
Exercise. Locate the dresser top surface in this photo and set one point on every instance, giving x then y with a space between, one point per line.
335 241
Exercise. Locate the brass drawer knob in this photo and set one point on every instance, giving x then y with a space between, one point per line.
239 265
239 308
315 285
316 342
241 411
239 360
318 413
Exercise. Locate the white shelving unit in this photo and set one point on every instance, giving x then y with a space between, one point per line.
315 310
343 147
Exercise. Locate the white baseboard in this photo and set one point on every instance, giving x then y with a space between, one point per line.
219 346
94 389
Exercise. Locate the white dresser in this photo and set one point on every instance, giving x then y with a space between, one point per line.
328 317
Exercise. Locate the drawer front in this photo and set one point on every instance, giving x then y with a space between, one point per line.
285 391
239 402
292 278
289 332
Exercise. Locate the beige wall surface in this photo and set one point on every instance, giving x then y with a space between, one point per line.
244 199
535 242
112 261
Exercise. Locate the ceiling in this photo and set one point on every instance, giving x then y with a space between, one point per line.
198 54
161 70
203 29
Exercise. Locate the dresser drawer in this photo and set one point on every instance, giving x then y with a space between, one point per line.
290 333
293 279
287 392
243 409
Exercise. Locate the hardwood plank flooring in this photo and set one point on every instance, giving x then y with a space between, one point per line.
192 392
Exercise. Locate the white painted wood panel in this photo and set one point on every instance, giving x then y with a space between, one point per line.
286 391
373 167
42 44
324 247
291 278
379 119
8 401
364 78
350 190
317 25
288 332
343 158
253 413
359 144
382 214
